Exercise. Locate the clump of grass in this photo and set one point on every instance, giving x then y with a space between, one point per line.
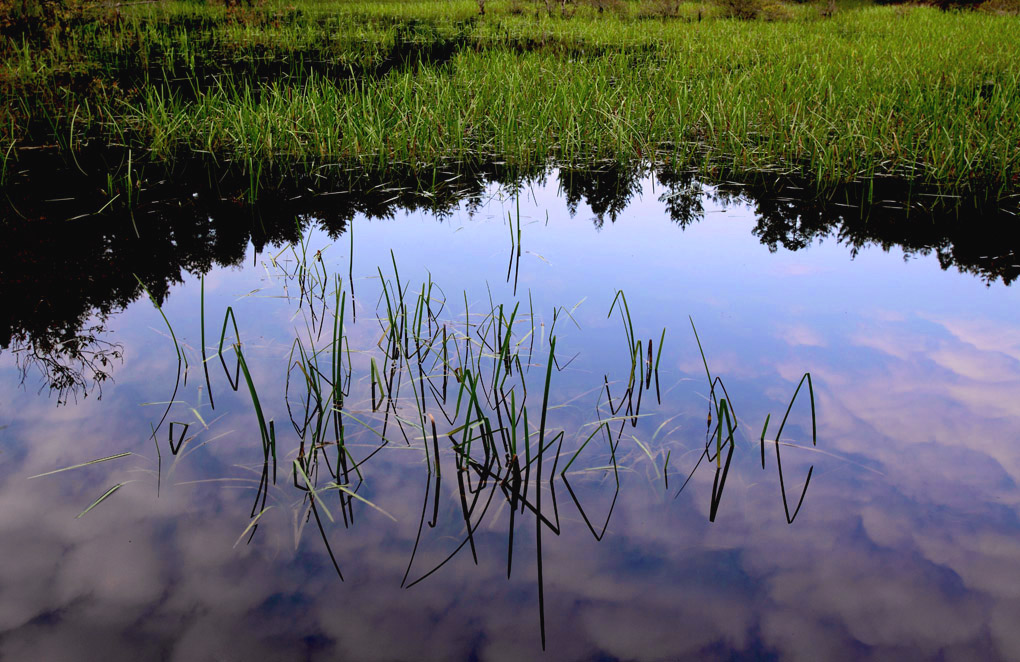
741 9
485 430
1000 7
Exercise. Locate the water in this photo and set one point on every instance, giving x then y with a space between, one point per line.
907 545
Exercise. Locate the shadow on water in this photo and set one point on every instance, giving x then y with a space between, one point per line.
106 220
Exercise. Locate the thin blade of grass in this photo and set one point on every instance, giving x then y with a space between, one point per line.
78 466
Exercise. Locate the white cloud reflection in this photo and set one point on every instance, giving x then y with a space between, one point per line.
908 546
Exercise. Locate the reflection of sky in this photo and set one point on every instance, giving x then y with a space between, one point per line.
908 545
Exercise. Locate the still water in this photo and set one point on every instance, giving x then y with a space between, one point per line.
906 544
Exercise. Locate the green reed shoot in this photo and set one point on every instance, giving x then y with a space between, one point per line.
181 356
267 432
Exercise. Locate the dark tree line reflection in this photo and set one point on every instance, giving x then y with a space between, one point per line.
74 243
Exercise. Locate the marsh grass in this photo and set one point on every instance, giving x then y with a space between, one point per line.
451 386
872 92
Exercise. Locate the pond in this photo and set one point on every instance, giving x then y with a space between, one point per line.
488 416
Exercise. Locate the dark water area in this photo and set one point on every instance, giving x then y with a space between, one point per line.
629 518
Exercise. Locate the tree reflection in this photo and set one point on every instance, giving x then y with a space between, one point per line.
67 270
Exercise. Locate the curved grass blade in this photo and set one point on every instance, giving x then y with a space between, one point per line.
814 442
103 498
78 466
349 492
251 525
180 355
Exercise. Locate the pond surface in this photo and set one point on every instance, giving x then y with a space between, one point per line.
349 529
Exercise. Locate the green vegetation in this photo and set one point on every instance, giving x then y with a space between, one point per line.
471 389
906 91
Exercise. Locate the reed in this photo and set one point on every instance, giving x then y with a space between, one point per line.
483 431
182 357
267 431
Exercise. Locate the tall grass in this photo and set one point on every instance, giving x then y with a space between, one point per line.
873 91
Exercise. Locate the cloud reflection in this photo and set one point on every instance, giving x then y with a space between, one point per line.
907 547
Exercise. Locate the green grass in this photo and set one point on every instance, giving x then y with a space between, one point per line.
482 432
916 93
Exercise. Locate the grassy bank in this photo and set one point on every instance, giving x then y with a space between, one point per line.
872 91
